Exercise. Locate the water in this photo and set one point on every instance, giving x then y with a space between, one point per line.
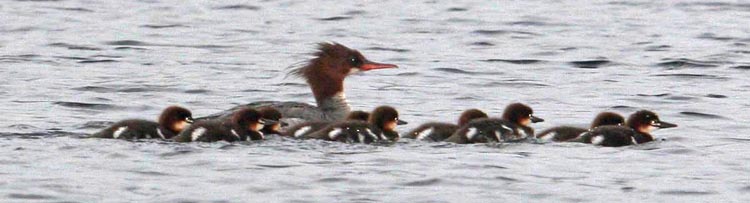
69 67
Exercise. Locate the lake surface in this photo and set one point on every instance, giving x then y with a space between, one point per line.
69 67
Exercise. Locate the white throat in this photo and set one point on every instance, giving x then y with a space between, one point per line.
335 106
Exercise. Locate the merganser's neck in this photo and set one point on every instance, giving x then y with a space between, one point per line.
335 106
329 95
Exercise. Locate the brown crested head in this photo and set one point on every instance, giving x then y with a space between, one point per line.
469 115
520 113
644 119
332 63
175 118
272 114
607 118
247 117
358 115
385 115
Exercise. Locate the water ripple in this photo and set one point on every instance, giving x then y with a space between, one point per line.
388 49
687 63
29 196
98 61
702 115
83 105
163 26
335 18
503 32
590 64
687 192
238 7
426 182
454 70
73 46
276 166
515 61
692 76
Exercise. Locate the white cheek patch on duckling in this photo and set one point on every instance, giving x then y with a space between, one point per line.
472 133
119 132
302 131
197 133
334 133
425 133
597 140
161 135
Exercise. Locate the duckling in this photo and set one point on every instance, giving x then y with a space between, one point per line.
380 126
638 131
565 133
438 131
302 129
172 120
243 125
513 126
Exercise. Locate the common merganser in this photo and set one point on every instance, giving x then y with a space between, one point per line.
513 126
302 129
274 115
565 133
243 125
438 131
325 74
638 131
380 126
172 120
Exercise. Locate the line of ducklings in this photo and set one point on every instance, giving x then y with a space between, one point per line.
474 126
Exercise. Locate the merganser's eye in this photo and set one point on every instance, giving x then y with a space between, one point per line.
354 61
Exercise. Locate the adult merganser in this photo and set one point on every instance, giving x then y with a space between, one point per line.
565 133
325 74
438 131
513 126
171 121
244 124
638 131
380 126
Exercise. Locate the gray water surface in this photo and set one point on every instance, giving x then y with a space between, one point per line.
70 67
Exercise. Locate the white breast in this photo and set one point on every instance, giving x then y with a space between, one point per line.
119 132
197 133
